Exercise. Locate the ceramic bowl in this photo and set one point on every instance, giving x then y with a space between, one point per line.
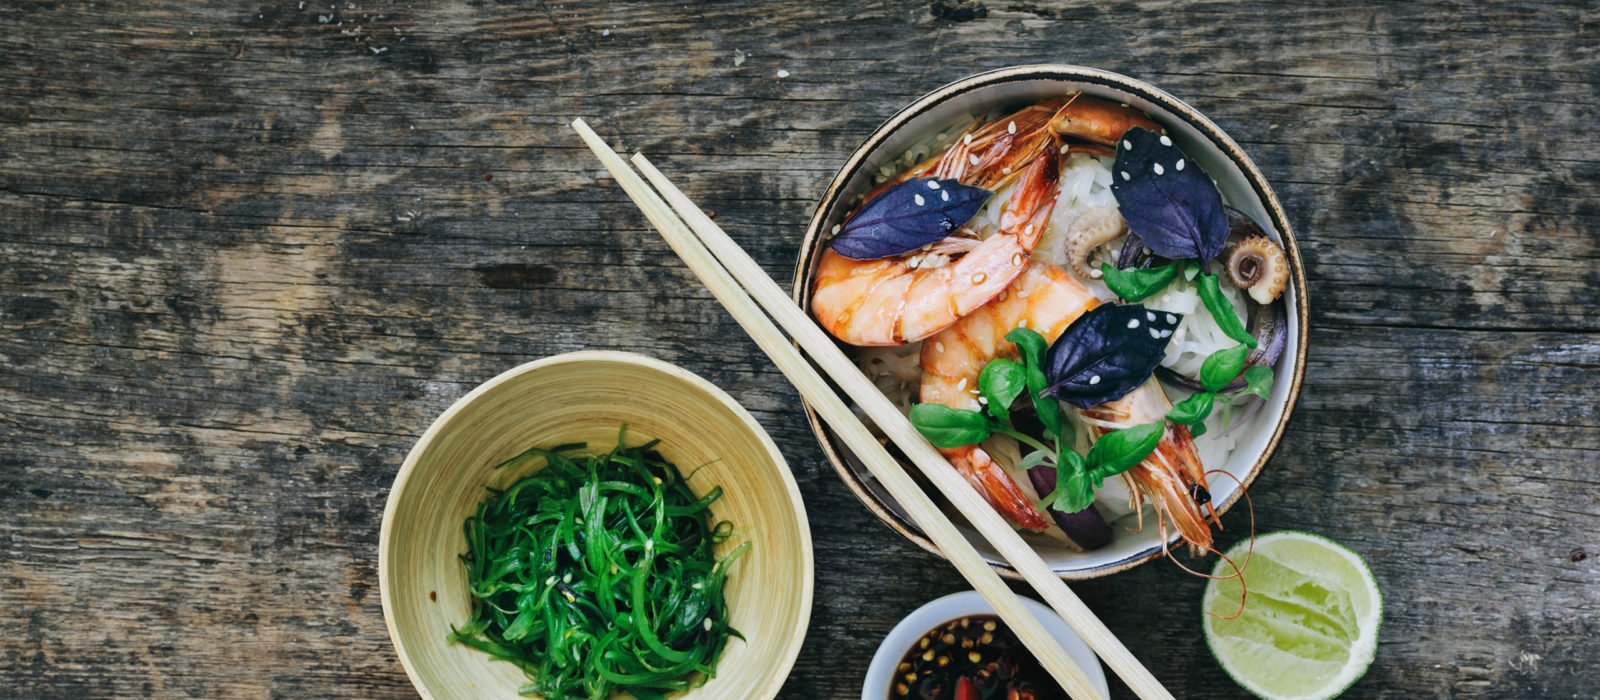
880 674
1243 187
585 397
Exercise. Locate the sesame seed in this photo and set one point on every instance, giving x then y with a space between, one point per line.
567 578
1064 149
1133 323
938 346
1166 333
1016 259
944 196
697 585
1149 316
967 139
550 581
836 228
1125 176
972 158
1155 334
1127 145
1165 141
1180 164
706 625
983 400
1096 273
1006 169
1023 323
933 184
919 200
979 278
962 386
1028 230
1011 128
1171 318
1094 380
1157 167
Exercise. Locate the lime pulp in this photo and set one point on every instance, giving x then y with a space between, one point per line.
1310 623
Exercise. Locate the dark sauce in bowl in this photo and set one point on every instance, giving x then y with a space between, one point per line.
975 657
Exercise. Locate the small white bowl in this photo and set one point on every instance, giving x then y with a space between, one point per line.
880 674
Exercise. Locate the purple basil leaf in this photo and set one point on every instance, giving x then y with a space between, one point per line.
1107 353
908 216
1167 200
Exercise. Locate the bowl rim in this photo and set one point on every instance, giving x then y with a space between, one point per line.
1177 109
796 634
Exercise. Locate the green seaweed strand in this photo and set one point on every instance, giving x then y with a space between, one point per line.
597 575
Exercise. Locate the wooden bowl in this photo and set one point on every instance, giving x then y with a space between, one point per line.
1242 185
586 396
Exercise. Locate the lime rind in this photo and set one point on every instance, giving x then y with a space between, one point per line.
1312 624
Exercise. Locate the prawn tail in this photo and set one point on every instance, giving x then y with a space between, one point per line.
997 487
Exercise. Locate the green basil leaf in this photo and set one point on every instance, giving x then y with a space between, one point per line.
1197 430
1033 347
1135 285
1193 409
1222 366
1222 310
1000 383
1078 493
949 427
1258 380
1074 487
1119 450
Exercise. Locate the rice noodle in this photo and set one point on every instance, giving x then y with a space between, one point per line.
1198 335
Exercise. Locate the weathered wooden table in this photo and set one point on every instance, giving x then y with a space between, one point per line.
247 253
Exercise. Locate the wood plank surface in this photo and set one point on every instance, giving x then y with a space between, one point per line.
249 250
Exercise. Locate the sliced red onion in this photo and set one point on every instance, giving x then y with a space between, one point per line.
1085 528
1270 324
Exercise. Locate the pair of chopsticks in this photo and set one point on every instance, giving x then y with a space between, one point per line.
740 285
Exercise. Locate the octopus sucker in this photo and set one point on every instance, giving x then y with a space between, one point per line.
1258 266
1091 230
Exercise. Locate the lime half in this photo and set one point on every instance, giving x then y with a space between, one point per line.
1310 622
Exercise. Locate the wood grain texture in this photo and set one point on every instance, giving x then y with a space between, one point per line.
249 250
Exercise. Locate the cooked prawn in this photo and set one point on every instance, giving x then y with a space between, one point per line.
1172 477
896 300
1044 298
901 299
1048 299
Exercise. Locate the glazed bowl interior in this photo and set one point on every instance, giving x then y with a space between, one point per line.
950 109
585 397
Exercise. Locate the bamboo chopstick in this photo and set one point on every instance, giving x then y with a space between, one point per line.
822 349
887 416
855 433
